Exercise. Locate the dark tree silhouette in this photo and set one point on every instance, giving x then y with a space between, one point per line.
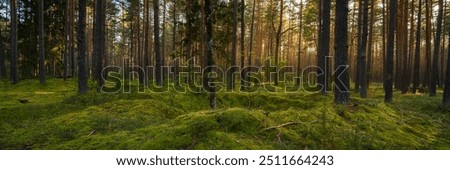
416 71
341 92
159 77
209 51
99 41
362 51
437 43
81 32
13 63
41 43
389 66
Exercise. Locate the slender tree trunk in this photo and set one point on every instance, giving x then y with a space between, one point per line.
416 69
250 51
446 98
384 39
411 45
231 77
209 52
278 41
66 39
437 43
159 78
370 45
146 39
341 92
299 55
242 43
99 42
362 51
442 78
13 62
72 37
82 70
2 56
426 78
41 43
404 65
359 36
324 44
174 43
163 41
390 52
189 37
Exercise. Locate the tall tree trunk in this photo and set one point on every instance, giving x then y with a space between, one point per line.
359 36
66 39
159 78
82 70
427 73
163 40
437 43
72 37
446 98
174 43
242 77
404 80
299 55
324 44
14 77
41 43
384 39
362 51
189 37
341 93
2 56
390 52
250 45
99 41
370 45
411 45
278 41
146 39
442 78
231 77
209 52
416 74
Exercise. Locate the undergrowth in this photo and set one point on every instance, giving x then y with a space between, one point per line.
55 117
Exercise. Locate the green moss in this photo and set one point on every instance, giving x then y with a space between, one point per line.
57 118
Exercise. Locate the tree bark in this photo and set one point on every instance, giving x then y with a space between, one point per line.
209 52
427 73
250 51
341 93
242 43
437 43
390 52
41 43
362 51
157 47
370 45
99 41
324 44
13 63
82 70
231 78
416 74
446 98
299 55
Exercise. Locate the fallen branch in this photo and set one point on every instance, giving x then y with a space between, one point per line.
287 124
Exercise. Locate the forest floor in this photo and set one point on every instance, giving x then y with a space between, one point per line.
53 116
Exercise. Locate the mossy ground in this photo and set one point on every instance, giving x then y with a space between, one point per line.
55 117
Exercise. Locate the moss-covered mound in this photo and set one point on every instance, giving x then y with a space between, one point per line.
54 117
